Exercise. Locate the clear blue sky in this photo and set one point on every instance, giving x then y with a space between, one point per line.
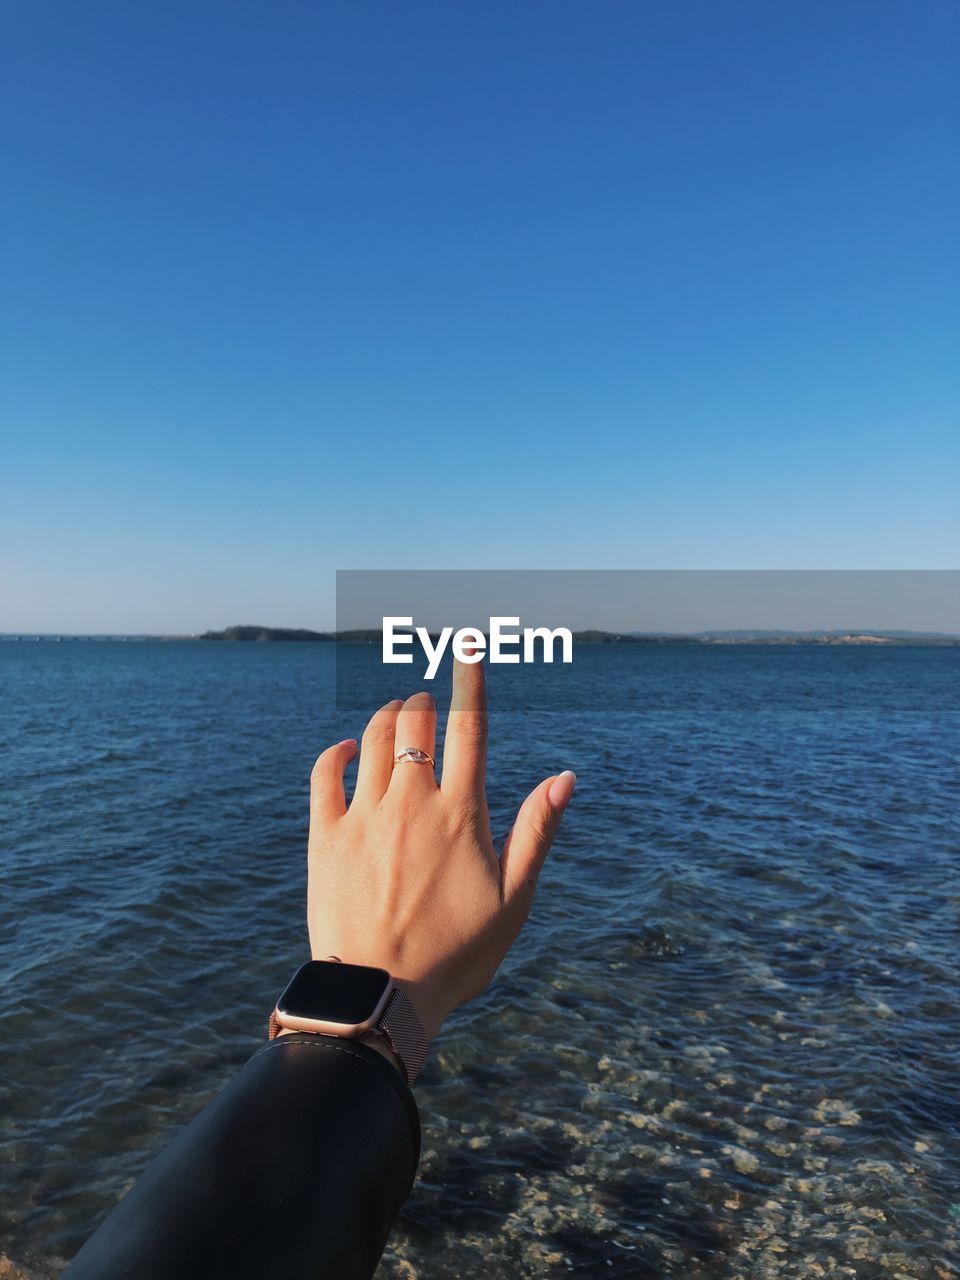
292 287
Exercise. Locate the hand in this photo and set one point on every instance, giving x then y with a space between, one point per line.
407 878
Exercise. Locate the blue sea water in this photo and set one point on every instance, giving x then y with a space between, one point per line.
726 1045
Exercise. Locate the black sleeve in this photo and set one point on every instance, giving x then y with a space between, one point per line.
296 1170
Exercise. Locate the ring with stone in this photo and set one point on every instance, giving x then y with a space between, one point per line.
413 755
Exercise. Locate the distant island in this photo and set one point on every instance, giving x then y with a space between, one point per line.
373 636
268 633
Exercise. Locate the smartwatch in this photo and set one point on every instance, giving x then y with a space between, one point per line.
330 998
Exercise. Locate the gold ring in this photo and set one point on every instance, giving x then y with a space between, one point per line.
413 755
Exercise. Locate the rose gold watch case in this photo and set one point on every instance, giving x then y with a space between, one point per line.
349 1030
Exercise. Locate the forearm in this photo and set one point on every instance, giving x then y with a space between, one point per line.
298 1168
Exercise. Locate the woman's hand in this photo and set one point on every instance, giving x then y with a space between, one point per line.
408 878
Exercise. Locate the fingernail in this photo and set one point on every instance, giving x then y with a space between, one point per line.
347 742
561 789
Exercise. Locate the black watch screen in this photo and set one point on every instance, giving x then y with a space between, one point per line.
334 992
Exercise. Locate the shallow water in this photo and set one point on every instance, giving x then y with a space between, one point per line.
727 1044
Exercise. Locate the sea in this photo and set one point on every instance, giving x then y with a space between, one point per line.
726 1045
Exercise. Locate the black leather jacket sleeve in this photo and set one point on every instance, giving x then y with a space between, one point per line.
297 1169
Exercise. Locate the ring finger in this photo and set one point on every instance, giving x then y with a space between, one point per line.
376 755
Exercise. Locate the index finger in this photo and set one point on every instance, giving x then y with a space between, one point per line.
465 743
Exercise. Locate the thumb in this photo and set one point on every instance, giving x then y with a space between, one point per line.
529 841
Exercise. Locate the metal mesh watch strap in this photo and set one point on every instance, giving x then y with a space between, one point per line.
404 1030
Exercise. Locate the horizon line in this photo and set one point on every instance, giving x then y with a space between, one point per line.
334 634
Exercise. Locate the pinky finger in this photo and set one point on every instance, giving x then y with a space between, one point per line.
327 799
529 841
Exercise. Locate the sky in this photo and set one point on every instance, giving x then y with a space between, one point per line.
291 288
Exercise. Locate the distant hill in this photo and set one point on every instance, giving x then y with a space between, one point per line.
632 637
819 637
863 636
267 633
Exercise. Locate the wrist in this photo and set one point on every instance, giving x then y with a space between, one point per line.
371 1039
359 1002
380 1044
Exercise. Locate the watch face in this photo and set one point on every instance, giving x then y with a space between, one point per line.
332 992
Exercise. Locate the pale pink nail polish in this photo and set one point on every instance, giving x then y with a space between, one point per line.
561 789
